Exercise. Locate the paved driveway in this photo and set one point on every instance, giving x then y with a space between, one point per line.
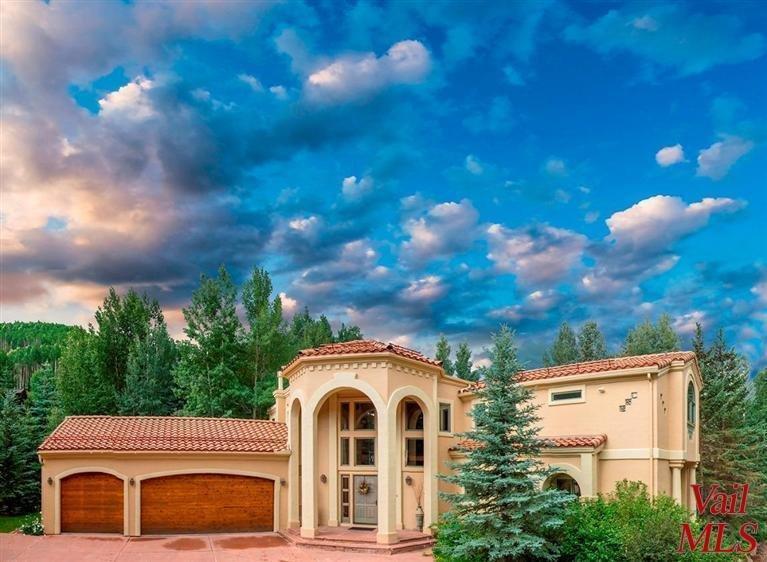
266 547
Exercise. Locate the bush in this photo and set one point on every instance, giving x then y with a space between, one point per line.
629 525
32 525
449 534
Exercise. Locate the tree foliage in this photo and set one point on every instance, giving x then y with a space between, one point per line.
463 362
564 350
19 470
591 342
651 338
502 514
83 387
443 354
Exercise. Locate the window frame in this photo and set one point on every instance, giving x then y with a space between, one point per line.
562 389
449 407
407 452
692 408
372 438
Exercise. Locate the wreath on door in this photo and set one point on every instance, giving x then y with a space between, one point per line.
364 488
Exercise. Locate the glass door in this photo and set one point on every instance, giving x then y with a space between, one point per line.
365 499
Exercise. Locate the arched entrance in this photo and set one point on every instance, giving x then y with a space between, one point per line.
565 482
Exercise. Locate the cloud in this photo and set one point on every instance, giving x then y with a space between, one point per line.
537 255
715 161
354 188
129 103
473 165
671 36
670 155
555 167
252 81
362 75
446 229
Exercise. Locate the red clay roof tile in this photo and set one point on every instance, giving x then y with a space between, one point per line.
554 441
363 347
146 433
660 360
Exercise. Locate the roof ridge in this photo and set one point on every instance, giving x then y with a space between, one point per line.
107 416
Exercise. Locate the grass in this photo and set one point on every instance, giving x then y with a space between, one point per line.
9 523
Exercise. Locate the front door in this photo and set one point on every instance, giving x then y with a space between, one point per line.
365 500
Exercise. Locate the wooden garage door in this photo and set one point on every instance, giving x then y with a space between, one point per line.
91 502
206 503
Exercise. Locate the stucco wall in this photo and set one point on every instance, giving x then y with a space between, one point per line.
138 466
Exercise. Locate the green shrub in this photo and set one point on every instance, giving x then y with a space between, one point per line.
629 525
32 525
449 534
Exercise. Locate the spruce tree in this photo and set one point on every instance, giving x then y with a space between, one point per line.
148 389
463 362
591 343
83 386
19 470
443 354
348 333
42 405
731 450
502 514
564 349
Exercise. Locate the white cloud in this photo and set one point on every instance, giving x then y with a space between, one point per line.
540 254
670 155
130 102
289 305
656 222
354 188
591 217
354 76
252 81
279 92
424 290
535 305
446 229
715 161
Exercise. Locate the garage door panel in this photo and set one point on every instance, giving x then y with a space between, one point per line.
206 503
91 502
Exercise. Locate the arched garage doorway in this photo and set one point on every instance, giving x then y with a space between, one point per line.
206 503
91 502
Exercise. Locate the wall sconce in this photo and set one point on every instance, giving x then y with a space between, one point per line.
323 478
282 482
50 481
132 482
409 480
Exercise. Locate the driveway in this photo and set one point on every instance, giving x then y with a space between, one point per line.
263 547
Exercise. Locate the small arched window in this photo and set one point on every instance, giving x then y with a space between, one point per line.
691 407
564 482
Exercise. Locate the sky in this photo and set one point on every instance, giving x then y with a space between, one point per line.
415 168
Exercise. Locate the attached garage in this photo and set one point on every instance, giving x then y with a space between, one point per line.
206 503
92 502
164 475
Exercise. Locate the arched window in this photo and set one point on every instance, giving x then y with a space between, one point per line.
691 404
564 482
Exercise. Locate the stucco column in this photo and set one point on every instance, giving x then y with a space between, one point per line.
430 469
333 461
676 480
690 494
294 477
589 471
387 474
309 474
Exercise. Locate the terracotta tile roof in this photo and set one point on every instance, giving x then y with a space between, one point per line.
145 433
364 347
554 441
660 360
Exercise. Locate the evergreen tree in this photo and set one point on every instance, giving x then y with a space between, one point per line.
148 387
757 412
348 333
443 354
564 350
591 343
731 450
267 341
306 332
651 338
212 374
501 513
42 405
82 384
7 378
19 472
463 362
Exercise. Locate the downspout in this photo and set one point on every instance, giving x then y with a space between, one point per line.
653 435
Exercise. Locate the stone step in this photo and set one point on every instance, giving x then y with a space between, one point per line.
408 545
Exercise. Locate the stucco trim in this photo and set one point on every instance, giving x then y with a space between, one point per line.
78 470
641 453
276 479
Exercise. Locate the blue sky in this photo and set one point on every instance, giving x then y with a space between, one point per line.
413 168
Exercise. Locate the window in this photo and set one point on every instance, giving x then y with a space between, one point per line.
344 416
414 450
690 408
364 415
444 418
564 482
345 503
365 451
344 451
567 395
413 416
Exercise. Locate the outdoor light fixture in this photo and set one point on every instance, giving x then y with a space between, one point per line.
323 478
132 482
409 480
282 482
50 481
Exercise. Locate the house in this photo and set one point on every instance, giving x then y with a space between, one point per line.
361 431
